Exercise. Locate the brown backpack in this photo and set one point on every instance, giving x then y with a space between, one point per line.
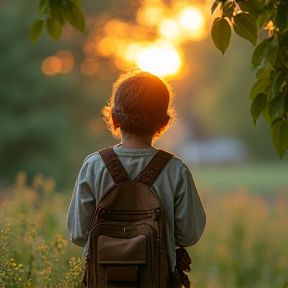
127 242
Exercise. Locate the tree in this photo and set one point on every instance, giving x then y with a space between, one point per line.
267 21
262 22
47 122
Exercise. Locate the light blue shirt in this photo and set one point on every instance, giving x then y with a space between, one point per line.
185 215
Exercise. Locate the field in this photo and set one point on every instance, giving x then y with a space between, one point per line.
258 178
244 244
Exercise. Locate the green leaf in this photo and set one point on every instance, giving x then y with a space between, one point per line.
74 16
42 6
55 3
245 26
36 30
276 107
278 81
221 34
272 53
57 13
78 3
282 60
214 6
228 9
263 73
258 105
263 19
266 114
279 133
258 87
54 28
249 8
282 16
260 51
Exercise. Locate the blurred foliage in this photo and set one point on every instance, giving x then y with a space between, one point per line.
32 252
244 244
269 94
45 121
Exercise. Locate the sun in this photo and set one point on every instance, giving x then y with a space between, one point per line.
161 60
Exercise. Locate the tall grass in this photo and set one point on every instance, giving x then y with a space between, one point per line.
32 252
244 244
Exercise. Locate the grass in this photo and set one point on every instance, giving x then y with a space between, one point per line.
243 246
257 178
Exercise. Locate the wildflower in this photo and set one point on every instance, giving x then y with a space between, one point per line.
38 181
21 179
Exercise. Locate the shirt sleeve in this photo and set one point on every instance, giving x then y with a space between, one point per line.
190 216
81 209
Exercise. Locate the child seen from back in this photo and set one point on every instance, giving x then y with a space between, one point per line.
140 111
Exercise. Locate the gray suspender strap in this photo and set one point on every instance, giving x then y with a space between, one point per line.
153 169
114 165
147 176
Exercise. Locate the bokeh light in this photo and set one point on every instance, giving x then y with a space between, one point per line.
62 62
154 41
67 61
169 29
51 65
191 19
193 22
160 59
150 15
89 66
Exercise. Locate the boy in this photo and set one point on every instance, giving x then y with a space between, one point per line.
140 110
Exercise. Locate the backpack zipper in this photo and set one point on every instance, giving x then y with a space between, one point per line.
154 214
124 226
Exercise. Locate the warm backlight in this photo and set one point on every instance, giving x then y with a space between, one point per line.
192 22
169 29
161 61
191 19
154 43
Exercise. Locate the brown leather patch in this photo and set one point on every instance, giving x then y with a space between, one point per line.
121 250
122 273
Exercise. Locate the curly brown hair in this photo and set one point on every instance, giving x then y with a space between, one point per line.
141 103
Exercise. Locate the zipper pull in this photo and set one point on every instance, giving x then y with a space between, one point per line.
156 214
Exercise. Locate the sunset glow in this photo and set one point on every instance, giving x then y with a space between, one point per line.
153 42
169 29
193 23
159 60
191 19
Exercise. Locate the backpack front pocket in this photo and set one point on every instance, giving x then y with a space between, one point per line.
121 250
123 255
119 259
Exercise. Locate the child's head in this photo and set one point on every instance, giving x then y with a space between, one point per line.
141 103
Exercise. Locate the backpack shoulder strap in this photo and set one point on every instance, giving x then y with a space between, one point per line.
155 166
114 165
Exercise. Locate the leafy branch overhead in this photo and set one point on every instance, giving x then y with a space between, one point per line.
267 22
53 14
